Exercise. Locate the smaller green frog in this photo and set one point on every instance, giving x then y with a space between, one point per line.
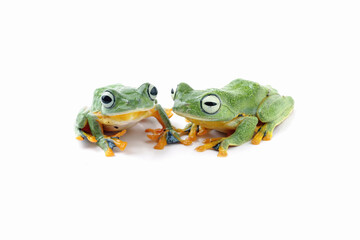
116 108
240 109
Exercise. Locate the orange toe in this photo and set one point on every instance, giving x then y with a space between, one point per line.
257 138
154 131
201 148
153 137
109 152
209 140
80 138
92 139
168 112
120 144
267 137
222 152
161 143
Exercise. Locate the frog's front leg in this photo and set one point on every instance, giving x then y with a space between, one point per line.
165 135
272 112
192 130
243 133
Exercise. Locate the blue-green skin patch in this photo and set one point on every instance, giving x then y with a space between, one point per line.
239 108
127 100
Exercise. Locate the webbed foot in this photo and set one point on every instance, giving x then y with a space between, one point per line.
88 136
109 142
193 131
163 137
114 140
264 133
216 144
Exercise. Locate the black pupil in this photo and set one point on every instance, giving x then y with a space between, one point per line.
172 91
210 104
106 99
153 91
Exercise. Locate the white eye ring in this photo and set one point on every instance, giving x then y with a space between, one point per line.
173 94
152 91
107 99
210 104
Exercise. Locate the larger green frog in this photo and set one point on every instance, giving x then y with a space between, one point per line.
116 108
239 109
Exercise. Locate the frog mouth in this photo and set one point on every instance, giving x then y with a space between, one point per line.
190 116
128 112
208 118
129 116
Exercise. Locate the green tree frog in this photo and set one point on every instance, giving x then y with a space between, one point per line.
244 110
116 108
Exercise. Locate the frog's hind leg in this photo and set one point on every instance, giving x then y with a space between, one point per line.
82 129
80 123
273 111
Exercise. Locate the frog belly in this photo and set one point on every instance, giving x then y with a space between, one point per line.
119 126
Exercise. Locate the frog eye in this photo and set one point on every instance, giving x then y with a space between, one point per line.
210 104
152 91
173 94
107 99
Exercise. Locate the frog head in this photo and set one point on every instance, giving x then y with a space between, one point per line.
118 99
207 105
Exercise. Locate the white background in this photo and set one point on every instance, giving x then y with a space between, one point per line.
303 184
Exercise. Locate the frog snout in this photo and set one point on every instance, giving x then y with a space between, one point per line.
184 107
188 110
